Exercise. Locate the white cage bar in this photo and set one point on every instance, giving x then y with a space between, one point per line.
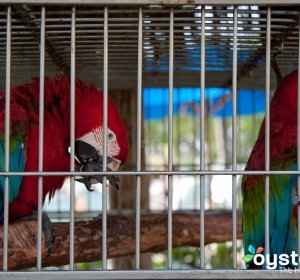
72 135
170 138
139 138
105 101
267 132
149 2
234 137
298 139
202 142
41 138
7 134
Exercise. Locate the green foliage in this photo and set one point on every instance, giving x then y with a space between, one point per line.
222 257
186 257
248 128
186 138
158 261
183 257
89 266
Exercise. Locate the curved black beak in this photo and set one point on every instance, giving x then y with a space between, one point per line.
90 161
84 151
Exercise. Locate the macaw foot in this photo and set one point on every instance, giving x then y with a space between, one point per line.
112 179
47 228
91 166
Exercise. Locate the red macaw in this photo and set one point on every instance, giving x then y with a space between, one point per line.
283 188
24 106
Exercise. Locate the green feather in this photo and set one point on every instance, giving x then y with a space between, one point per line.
280 201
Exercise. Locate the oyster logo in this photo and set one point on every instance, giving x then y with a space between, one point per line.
249 257
272 261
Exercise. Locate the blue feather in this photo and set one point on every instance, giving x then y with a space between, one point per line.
16 164
283 237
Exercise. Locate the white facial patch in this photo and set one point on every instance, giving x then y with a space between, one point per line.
95 138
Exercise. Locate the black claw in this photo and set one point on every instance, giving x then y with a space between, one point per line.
47 228
117 186
90 189
96 165
49 233
114 181
99 178
87 183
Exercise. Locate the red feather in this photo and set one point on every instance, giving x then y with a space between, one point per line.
25 115
283 127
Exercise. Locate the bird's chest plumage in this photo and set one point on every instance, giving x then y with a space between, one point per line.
55 158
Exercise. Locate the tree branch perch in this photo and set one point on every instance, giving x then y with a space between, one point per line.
22 237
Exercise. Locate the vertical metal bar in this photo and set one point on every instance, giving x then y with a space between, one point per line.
139 139
105 97
202 141
41 138
267 131
7 134
298 138
72 136
170 138
234 138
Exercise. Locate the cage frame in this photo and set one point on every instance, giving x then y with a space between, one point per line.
168 273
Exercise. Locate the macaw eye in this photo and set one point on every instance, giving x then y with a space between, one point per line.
111 135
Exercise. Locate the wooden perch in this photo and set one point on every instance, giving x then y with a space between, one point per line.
22 237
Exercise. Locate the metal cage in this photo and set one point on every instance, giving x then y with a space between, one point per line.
138 44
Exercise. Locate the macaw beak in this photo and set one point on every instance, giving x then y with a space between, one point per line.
89 160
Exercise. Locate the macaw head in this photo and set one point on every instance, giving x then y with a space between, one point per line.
89 132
